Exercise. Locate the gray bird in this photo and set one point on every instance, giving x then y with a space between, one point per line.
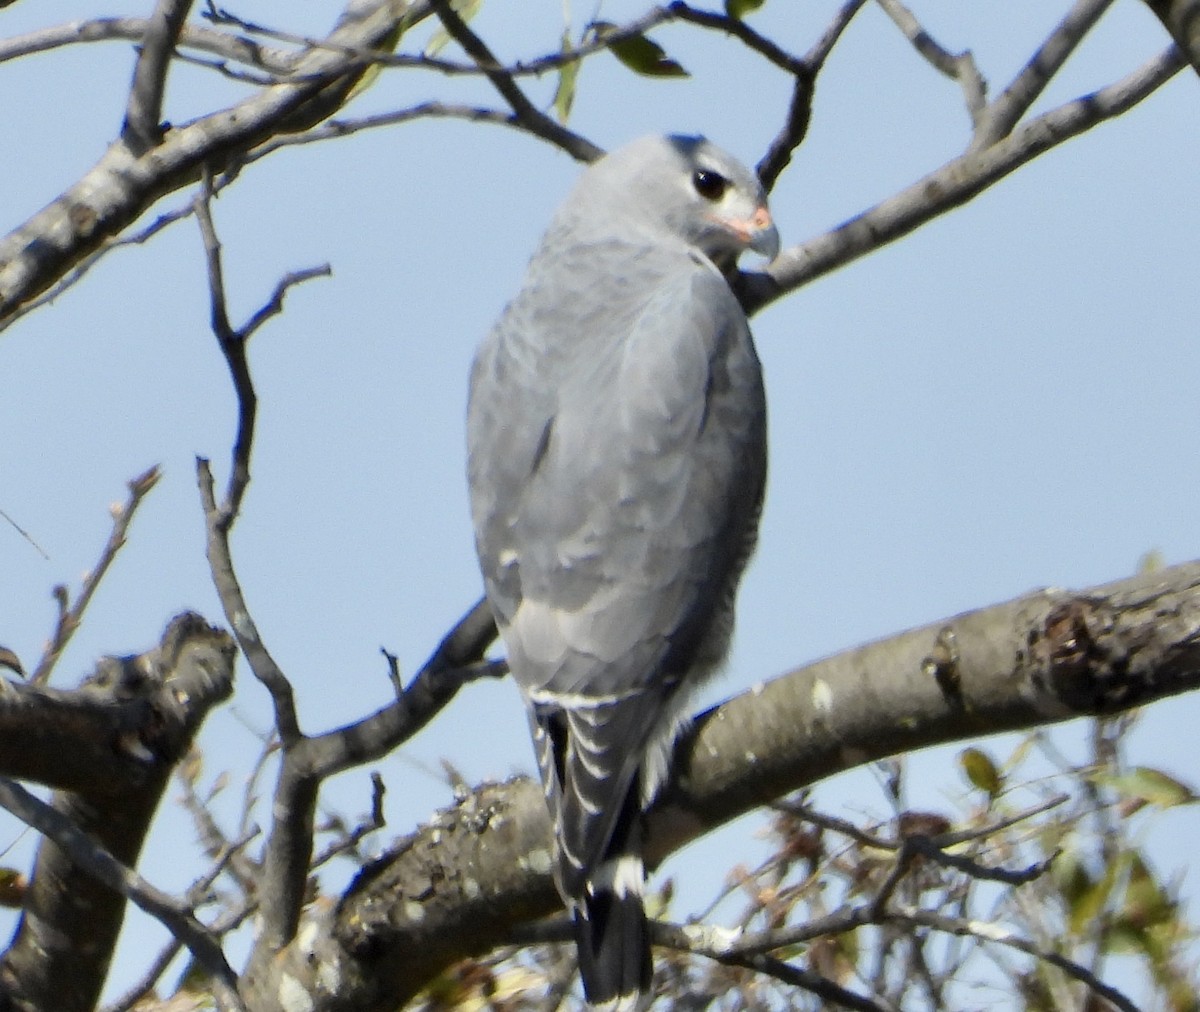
616 438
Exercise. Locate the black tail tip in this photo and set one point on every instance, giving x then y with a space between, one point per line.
614 952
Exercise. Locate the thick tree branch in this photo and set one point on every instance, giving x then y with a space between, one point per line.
122 185
306 765
1004 112
459 885
954 184
141 130
60 954
290 841
64 739
104 868
1182 19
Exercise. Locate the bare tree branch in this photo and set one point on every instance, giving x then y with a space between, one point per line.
141 130
121 186
64 942
955 183
220 519
289 843
534 120
347 842
804 74
831 993
959 67
230 47
335 128
1039 659
1181 18
741 31
70 616
233 347
995 933
940 840
86 855
1006 110
311 760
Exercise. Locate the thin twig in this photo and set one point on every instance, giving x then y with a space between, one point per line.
374 822
25 534
925 847
142 236
85 854
146 984
741 31
70 616
815 58
958 67
952 185
230 47
451 68
940 840
217 846
457 660
227 70
1006 109
335 128
220 519
791 134
233 347
270 747
534 120
706 942
1003 936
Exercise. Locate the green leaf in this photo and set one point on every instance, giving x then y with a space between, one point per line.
1152 561
465 9
1020 753
981 771
1146 903
1152 786
740 8
564 94
387 44
1091 901
639 53
1071 876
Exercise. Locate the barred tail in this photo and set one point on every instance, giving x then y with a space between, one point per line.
611 932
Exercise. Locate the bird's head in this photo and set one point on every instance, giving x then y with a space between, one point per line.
692 189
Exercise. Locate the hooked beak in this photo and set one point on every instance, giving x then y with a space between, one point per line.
758 232
762 234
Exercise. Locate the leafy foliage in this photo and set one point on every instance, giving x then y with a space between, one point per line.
639 53
568 74
740 8
1032 890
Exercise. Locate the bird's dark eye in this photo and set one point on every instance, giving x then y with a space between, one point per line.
710 185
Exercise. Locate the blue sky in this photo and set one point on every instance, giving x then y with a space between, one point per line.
1001 401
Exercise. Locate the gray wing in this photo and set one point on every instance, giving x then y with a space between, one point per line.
616 459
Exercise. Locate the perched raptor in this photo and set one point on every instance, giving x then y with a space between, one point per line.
616 455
